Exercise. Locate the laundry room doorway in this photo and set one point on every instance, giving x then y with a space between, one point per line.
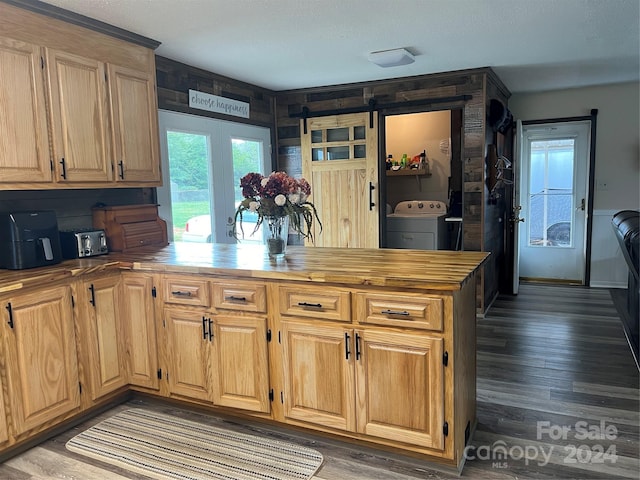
431 171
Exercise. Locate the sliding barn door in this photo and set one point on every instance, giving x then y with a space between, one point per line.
340 161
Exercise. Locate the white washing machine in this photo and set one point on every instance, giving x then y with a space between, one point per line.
418 224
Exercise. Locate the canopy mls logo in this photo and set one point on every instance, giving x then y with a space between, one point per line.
214 103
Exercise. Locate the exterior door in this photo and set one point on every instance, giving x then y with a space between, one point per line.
553 192
203 160
340 161
516 208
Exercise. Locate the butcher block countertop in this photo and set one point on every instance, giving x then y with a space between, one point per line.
421 269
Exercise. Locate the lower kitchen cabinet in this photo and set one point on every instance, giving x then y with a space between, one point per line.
188 346
4 429
101 342
381 383
40 357
217 358
390 367
400 386
138 308
319 382
240 363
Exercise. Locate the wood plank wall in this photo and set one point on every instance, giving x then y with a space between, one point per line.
483 228
73 207
175 79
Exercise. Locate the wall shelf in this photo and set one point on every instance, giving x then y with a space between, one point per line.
414 172
418 172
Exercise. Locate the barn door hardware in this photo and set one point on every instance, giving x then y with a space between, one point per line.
373 106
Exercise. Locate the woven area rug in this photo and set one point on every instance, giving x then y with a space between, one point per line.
162 446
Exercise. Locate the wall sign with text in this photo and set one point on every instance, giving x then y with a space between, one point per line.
214 103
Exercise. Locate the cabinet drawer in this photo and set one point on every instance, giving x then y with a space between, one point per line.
186 291
248 297
419 311
317 303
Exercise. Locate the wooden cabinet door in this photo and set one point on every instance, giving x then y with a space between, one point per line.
319 375
102 335
188 346
340 161
40 348
400 387
134 112
79 118
140 327
4 429
24 142
240 363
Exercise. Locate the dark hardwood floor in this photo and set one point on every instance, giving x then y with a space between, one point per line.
557 398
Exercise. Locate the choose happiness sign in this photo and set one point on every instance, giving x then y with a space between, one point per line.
214 103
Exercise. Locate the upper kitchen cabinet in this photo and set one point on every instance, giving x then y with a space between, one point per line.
79 118
134 113
24 144
98 126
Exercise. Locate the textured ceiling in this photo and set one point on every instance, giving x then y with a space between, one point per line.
533 45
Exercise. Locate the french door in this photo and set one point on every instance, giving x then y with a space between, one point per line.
553 196
203 160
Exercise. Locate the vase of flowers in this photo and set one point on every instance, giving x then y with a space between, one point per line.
280 202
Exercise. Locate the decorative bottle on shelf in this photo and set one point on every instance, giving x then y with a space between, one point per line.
389 162
404 161
424 162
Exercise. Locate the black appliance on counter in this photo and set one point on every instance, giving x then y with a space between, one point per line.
29 239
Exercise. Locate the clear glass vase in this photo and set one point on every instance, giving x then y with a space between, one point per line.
276 234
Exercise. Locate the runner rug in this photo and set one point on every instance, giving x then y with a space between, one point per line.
162 446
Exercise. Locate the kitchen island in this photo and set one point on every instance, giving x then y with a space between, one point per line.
375 346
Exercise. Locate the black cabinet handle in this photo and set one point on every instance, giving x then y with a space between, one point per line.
358 352
394 312
10 310
121 168
63 174
178 293
233 298
371 202
210 329
347 352
92 300
311 305
204 327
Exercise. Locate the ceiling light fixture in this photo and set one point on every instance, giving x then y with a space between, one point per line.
391 58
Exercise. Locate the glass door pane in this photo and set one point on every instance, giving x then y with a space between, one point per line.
247 157
189 163
551 193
